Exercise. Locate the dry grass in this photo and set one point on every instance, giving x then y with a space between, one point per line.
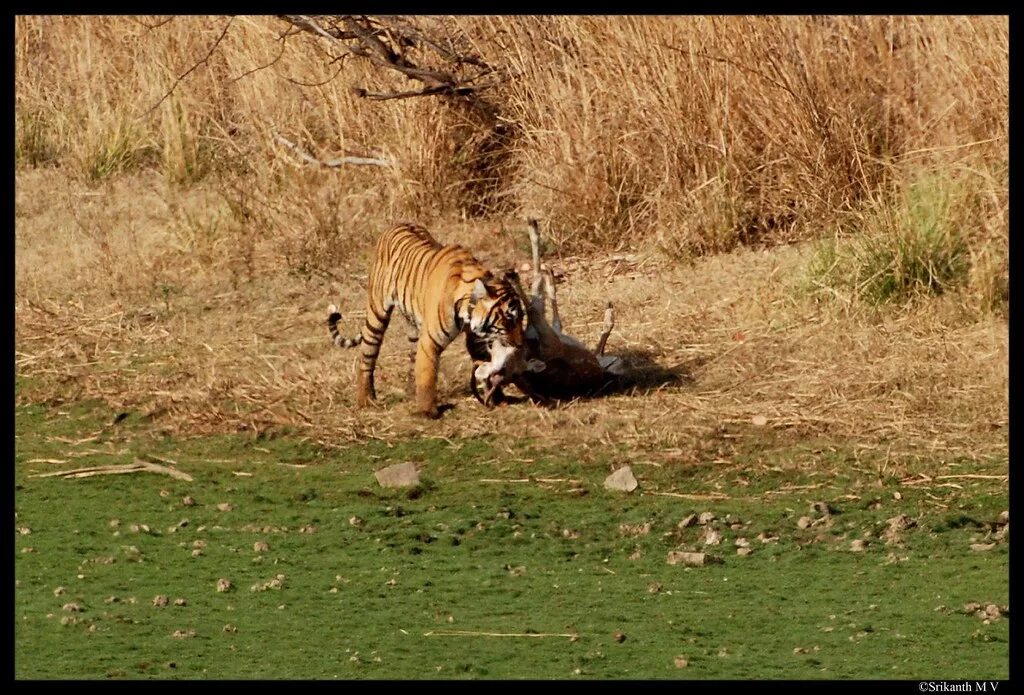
686 134
737 334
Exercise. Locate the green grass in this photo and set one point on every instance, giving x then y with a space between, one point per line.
915 244
361 597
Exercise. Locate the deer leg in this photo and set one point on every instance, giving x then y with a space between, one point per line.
549 290
609 324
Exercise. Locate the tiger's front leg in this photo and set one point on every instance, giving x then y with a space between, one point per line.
428 353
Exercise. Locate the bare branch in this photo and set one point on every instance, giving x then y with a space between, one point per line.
191 69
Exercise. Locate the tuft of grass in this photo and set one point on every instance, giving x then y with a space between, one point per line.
915 243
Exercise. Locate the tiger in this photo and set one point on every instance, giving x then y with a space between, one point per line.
442 291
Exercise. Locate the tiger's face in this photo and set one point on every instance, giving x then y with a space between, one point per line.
497 314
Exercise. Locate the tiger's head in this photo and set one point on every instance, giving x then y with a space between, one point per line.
495 311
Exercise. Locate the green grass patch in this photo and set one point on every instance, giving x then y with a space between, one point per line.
357 581
915 243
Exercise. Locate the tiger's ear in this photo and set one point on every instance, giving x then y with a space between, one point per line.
479 290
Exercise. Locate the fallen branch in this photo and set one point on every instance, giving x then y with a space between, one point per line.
138 466
710 496
469 633
973 476
332 163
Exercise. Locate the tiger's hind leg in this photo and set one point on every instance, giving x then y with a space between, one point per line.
377 320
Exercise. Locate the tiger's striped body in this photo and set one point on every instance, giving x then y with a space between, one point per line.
441 291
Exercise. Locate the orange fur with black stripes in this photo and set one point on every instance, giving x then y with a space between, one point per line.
442 291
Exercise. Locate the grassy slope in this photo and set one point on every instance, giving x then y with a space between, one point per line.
464 554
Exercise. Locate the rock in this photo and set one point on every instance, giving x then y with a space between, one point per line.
654 587
858 546
743 552
198 552
355 521
59 591
680 662
229 628
188 501
180 602
680 557
260 547
621 479
688 521
159 601
897 496
741 543
398 475
635 529
706 518
619 637
223 585
711 536
804 522
73 607
767 538
225 507
982 547
1004 517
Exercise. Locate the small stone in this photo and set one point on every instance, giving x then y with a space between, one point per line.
28 550
1004 517
199 543
982 547
225 507
355 521
183 634
743 552
398 475
622 479
229 628
73 608
741 543
677 557
180 602
160 601
24 530
165 493
688 521
654 587
111 599
59 591
197 553
897 496
188 501
223 585
260 547
767 538
619 637
635 529
711 536
680 662
706 518
804 522
858 546
114 523
759 420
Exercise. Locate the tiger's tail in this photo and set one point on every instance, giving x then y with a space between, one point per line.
332 327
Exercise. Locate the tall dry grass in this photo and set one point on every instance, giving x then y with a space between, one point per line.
689 135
